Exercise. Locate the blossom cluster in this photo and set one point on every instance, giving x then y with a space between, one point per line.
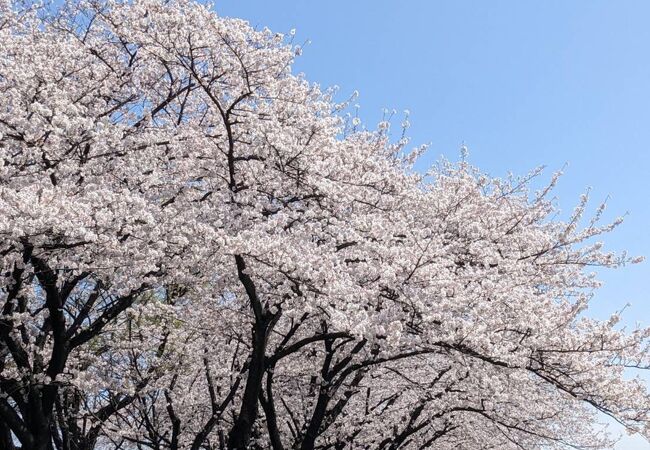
197 251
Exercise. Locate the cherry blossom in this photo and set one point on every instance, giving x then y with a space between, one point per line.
198 252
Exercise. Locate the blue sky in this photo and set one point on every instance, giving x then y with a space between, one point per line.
521 83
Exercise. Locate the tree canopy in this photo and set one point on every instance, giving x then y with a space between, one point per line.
200 250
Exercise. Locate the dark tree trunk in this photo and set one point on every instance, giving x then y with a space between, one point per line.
6 442
241 432
265 320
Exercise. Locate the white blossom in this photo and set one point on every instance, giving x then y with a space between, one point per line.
196 249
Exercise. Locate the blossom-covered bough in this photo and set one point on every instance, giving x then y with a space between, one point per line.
199 251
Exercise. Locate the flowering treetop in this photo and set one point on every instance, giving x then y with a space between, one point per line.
198 250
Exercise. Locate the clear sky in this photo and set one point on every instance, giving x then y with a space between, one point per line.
521 83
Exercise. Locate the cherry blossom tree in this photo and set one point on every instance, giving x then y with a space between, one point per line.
200 250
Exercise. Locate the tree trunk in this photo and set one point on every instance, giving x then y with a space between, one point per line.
241 432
